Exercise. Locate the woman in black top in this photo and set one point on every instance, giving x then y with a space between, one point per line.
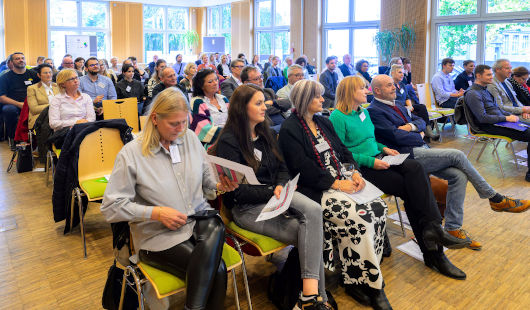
129 87
312 148
247 139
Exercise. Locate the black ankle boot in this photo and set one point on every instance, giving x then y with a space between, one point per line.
378 299
440 263
434 235
358 292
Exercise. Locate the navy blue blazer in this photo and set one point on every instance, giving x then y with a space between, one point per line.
386 122
345 70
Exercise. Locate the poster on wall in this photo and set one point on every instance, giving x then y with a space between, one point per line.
82 46
213 44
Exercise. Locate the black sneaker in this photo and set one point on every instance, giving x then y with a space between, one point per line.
315 302
527 178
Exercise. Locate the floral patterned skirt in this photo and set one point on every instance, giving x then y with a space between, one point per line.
357 232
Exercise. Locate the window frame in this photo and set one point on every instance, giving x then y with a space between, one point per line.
164 31
80 29
218 30
481 19
351 25
273 29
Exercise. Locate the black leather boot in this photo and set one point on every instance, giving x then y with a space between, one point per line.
434 235
378 299
440 263
357 292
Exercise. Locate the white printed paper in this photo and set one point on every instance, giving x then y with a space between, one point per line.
39 170
521 162
276 206
107 177
411 248
396 159
521 154
367 194
404 225
249 174
395 217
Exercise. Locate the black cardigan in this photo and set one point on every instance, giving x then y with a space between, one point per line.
270 173
300 157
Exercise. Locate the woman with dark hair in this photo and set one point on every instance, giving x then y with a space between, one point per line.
129 87
209 109
518 80
255 63
362 67
328 174
407 70
248 140
302 62
40 94
79 64
242 57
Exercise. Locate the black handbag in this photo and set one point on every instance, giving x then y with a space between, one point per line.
24 158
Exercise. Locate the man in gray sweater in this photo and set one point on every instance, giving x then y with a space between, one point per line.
487 112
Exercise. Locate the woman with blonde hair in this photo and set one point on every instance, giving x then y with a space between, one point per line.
70 106
186 84
408 180
106 71
160 184
160 65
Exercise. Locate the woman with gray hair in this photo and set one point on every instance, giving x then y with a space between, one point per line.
328 174
159 185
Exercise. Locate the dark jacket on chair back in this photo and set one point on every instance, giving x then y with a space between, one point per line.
300 157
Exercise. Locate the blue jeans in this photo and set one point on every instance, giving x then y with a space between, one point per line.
301 225
452 165
10 114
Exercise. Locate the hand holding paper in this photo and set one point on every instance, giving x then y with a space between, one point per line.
277 206
395 160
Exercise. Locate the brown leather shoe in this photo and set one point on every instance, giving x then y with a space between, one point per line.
462 234
510 205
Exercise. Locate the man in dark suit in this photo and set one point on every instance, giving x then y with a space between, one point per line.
330 80
465 79
275 105
398 129
347 68
229 85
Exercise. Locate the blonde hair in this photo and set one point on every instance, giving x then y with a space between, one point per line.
168 101
346 92
395 68
63 76
188 67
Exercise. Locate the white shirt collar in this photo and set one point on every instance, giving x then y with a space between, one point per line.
390 103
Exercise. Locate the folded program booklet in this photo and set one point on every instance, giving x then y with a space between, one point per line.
517 126
234 171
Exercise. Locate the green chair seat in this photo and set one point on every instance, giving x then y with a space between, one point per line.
266 244
434 115
445 111
57 152
94 188
509 140
166 283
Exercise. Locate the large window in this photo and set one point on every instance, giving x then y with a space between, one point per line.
272 21
482 30
67 17
164 29
220 24
349 28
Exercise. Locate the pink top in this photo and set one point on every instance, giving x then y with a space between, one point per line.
65 111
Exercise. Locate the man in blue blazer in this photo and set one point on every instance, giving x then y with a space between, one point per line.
398 129
347 68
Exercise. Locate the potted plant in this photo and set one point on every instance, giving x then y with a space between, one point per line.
406 38
385 42
191 37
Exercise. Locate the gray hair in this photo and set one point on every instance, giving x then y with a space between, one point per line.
294 67
498 64
395 67
235 61
303 92
394 60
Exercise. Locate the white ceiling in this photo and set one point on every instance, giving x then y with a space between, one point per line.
186 3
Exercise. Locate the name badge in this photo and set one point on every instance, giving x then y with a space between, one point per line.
402 91
27 82
322 147
175 155
128 89
470 82
408 112
100 84
257 154
362 116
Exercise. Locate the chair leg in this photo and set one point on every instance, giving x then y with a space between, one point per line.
498 158
437 130
472 145
482 150
123 285
47 168
72 211
139 291
515 157
400 217
243 268
236 295
81 219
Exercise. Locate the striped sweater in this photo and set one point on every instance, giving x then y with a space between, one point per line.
201 121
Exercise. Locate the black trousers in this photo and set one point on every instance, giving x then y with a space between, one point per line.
510 133
198 260
409 182
450 103
420 110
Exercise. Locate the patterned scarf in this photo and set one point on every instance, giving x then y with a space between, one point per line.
520 91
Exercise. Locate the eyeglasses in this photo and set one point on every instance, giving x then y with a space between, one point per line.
299 75
72 79
93 65
239 67
259 78
68 63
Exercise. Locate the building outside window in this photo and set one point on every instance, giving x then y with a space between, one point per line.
349 27
272 21
71 17
220 24
482 30
164 29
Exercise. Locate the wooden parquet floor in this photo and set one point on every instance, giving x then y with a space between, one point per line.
40 268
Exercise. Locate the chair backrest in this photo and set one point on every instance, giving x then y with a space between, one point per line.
470 119
424 95
97 153
143 119
122 108
436 105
